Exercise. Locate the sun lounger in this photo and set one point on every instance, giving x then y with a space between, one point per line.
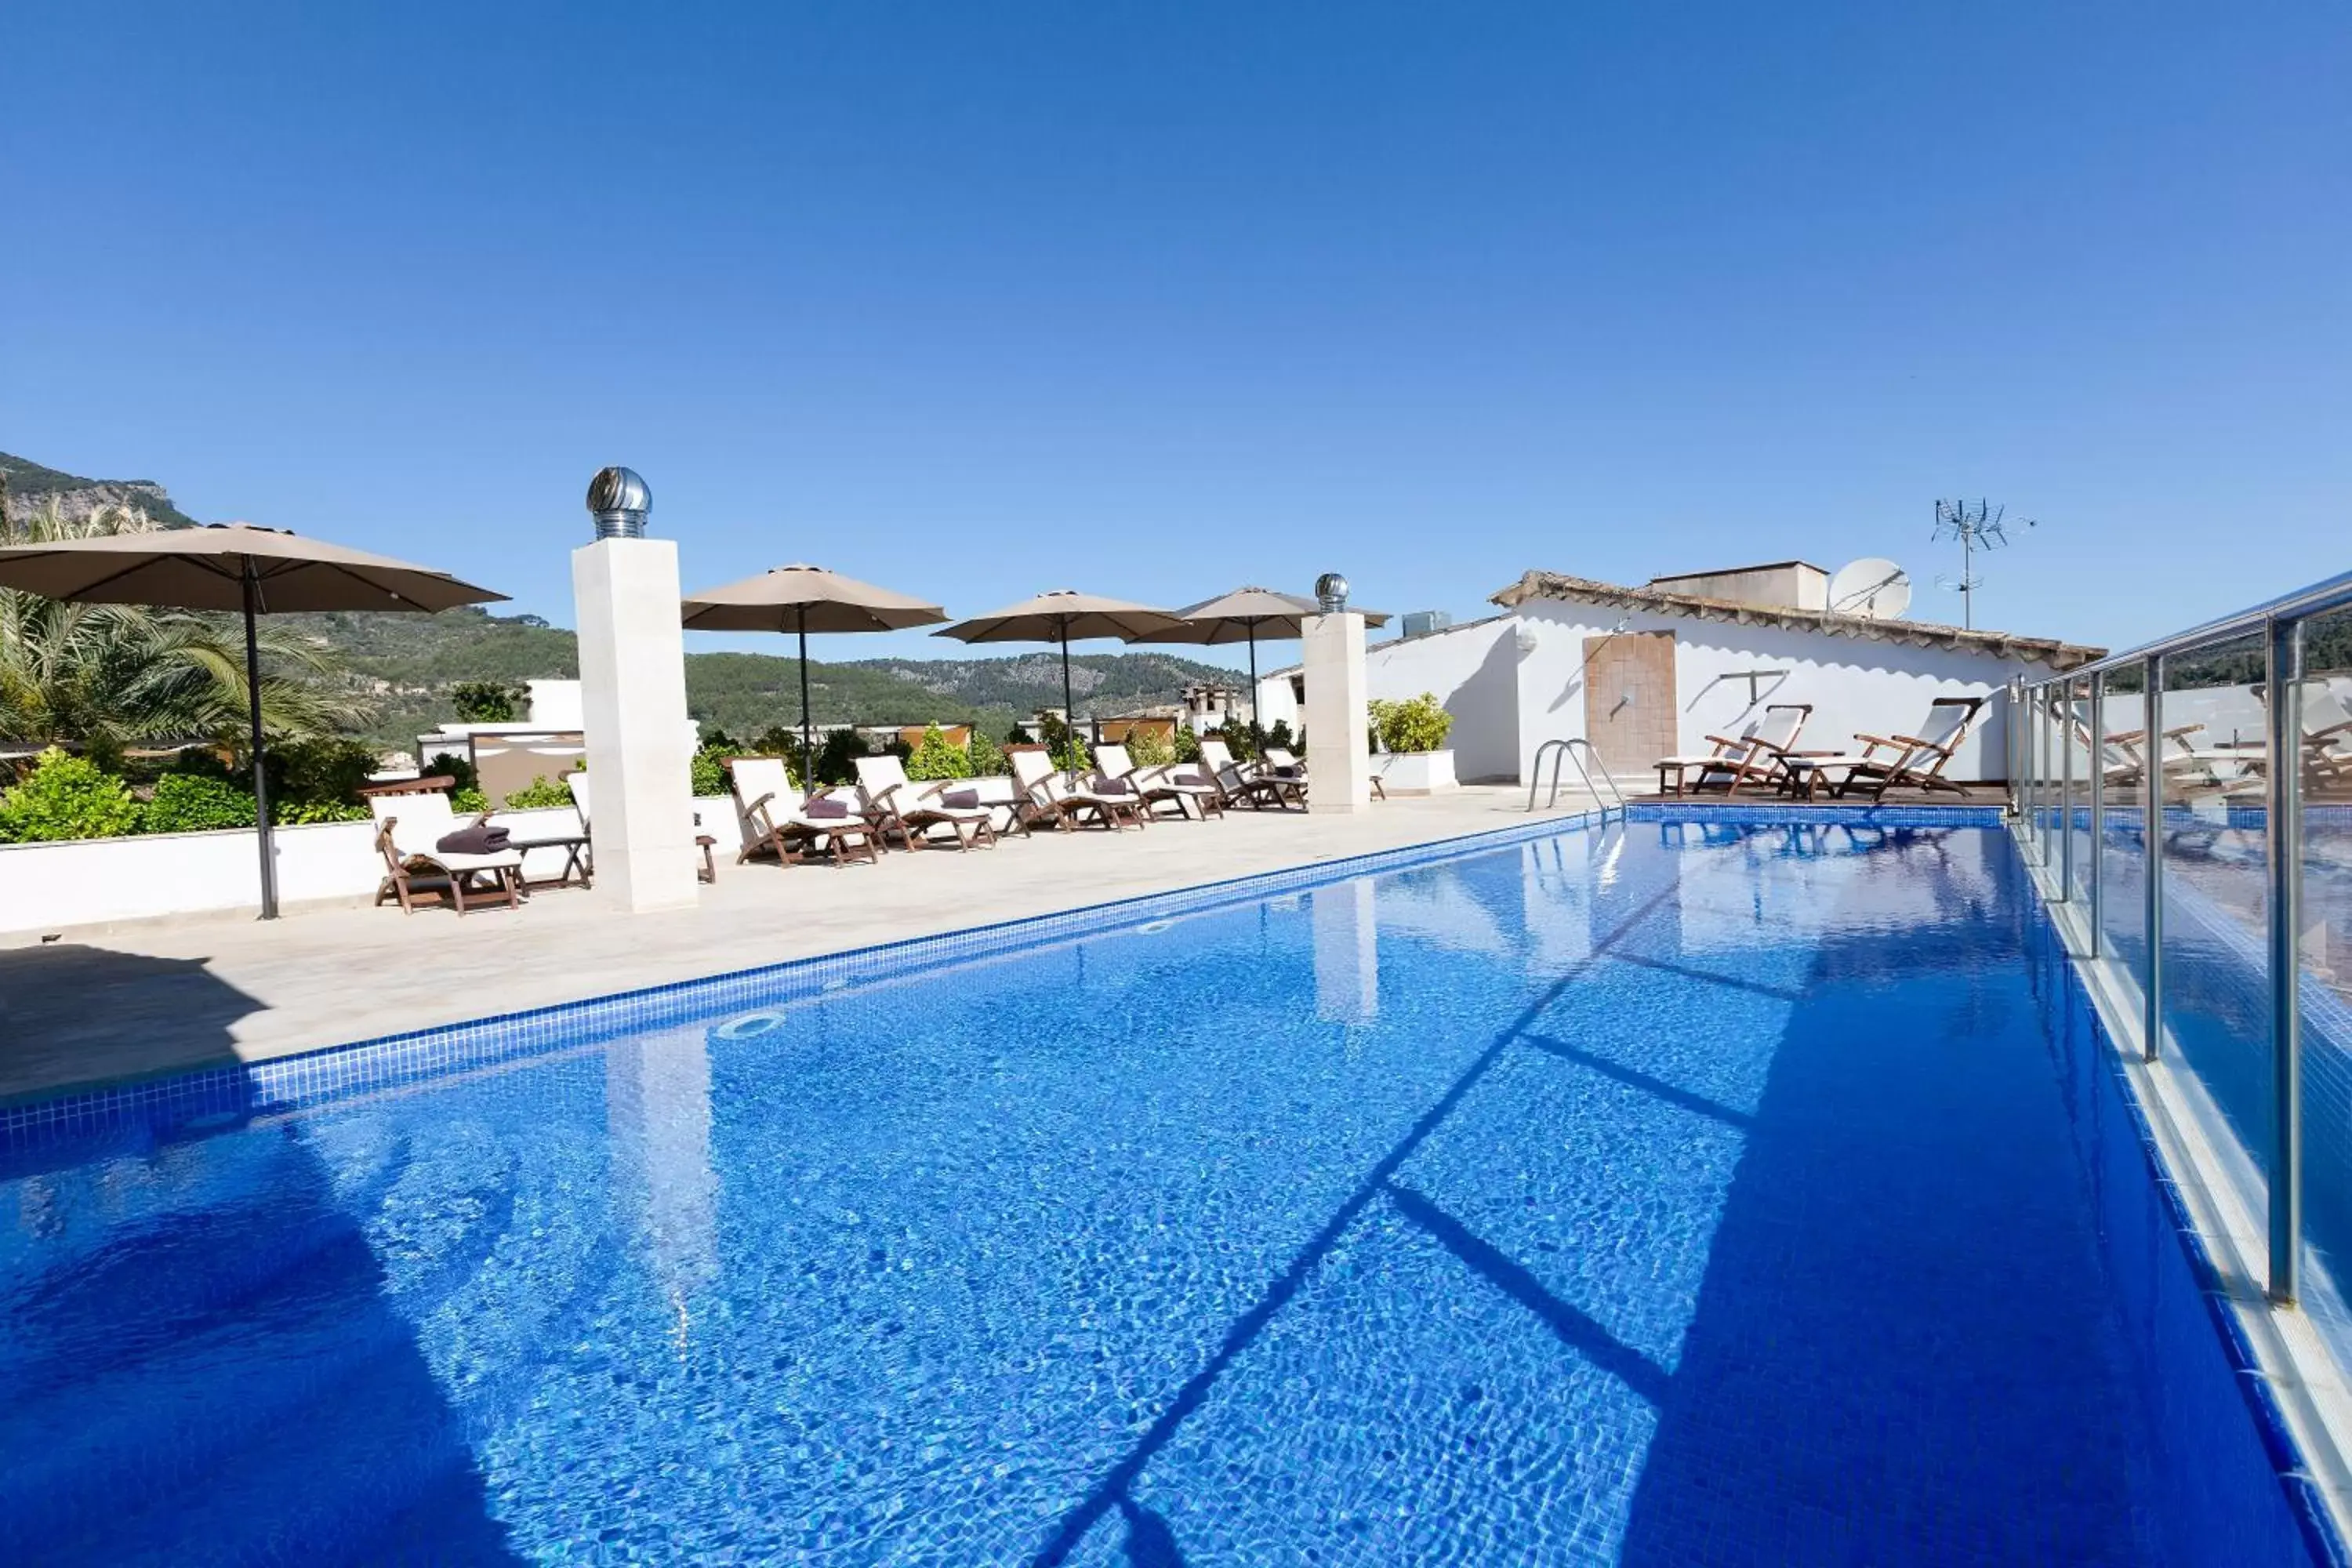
776 820
1889 761
1178 783
1282 769
1738 762
1232 780
1066 804
894 805
409 827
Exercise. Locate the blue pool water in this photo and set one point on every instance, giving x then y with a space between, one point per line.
1664 1194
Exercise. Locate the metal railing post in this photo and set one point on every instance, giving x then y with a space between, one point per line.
2033 772
2283 840
2151 855
2066 791
2013 733
2097 781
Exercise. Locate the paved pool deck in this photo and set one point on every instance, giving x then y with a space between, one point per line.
102 1007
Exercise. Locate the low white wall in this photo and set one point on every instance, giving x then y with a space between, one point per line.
100 882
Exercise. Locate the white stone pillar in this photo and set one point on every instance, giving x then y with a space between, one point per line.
633 705
1338 759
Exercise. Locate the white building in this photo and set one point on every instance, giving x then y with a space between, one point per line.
1652 671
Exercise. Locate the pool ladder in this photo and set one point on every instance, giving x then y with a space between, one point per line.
1575 748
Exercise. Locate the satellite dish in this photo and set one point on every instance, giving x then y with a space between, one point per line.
1873 588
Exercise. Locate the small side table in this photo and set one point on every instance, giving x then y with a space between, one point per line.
575 857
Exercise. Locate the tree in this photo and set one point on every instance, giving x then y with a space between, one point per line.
100 678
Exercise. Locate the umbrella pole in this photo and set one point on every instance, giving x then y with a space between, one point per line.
1069 703
260 776
808 743
1257 735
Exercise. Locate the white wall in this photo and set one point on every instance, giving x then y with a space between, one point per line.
100 882
1474 671
1855 685
1471 672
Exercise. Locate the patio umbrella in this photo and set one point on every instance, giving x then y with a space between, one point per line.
231 566
1245 614
1059 616
803 598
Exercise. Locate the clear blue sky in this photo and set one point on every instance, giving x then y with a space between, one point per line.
1154 300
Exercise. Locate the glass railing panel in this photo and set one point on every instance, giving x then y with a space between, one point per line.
2323 958
2122 772
2216 997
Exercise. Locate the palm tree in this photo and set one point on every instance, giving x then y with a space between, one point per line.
101 677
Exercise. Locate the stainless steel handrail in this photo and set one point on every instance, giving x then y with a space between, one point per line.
1568 748
2332 594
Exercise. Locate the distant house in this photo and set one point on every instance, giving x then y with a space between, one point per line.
1650 672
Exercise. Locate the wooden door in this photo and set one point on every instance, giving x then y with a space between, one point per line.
1629 700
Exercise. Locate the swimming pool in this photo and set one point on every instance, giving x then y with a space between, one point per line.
1671 1192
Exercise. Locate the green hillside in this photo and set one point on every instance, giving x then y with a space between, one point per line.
409 664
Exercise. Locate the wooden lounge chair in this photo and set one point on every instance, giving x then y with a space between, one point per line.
1281 768
1236 782
577 782
1739 762
894 805
1176 784
1067 805
409 827
1899 761
775 819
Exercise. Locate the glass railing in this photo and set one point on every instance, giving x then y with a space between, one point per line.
2188 805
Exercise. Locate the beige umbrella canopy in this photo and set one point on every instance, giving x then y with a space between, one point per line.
231 566
803 598
1247 614
1061 614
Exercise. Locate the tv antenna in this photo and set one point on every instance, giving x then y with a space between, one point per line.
1977 525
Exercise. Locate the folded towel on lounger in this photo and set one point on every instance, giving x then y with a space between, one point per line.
822 807
961 799
1195 781
1113 787
480 840
1286 771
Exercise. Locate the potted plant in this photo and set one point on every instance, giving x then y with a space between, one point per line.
1413 734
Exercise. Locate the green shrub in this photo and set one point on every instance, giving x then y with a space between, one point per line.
539 794
1415 724
1188 744
485 701
936 759
330 771
710 766
1279 735
192 803
1145 748
302 812
455 768
836 757
468 799
987 757
65 796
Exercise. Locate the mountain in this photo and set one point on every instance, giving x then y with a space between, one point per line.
409 664
31 485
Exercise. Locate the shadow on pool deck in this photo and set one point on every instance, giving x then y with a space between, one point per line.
208 1367
70 1011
